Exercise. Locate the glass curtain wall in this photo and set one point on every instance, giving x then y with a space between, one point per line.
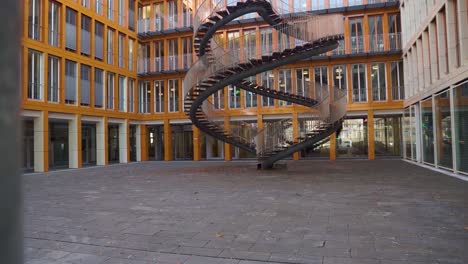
352 141
443 130
387 136
427 131
461 126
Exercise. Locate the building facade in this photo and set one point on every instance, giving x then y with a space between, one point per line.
103 82
435 54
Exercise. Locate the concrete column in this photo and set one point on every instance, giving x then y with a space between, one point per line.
433 52
74 142
441 44
452 36
138 142
197 151
463 32
101 142
41 142
426 58
123 142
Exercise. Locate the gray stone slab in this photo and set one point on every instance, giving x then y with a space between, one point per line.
223 212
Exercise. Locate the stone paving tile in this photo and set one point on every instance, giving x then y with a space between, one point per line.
342 212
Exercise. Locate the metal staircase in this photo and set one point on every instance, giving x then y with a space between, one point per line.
218 67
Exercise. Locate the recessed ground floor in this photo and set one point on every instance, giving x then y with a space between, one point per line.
311 212
57 140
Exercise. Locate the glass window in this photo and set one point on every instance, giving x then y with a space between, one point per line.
110 90
172 12
187 52
70 82
85 78
251 98
376 34
159 96
407 133
387 132
250 42
85 35
158 16
70 29
98 40
234 96
131 15
159 56
173 90
321 81
299 6
427 130
336 3
131 95
122 93
303 82
218 99
98 88
352 141
99 6
266 41
120 52
173 52
186 15
339 77
461 126
35 72
268 80
34 20
283 41
394 31
318 4
54 79
130 54
359 82
443 129
54 23
284 84
396 72
144 96
85 3
110 9
356 37
379 87
110 46
233 44
121 13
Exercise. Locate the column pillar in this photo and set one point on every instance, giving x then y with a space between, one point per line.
101 142
74 142
143 132
41 142
167 140
138 142
227 146
370 134
196 144
333 146
295 124
123 142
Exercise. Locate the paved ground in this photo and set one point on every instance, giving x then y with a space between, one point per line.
360 212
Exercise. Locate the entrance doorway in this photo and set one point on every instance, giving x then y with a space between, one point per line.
58 145
133 143
113 144
88 144
156 142
182 142
28 145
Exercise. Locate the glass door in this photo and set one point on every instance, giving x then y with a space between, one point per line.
88 144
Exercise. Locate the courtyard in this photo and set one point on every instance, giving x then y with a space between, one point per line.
311 212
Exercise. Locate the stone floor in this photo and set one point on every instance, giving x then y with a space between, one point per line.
343 212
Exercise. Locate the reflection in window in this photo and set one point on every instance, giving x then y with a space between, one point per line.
359 82
352 141
443 129
379 88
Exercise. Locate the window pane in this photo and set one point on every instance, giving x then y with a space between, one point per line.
444 129
427 131
461 126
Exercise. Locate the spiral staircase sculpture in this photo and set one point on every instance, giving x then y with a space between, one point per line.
218 67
